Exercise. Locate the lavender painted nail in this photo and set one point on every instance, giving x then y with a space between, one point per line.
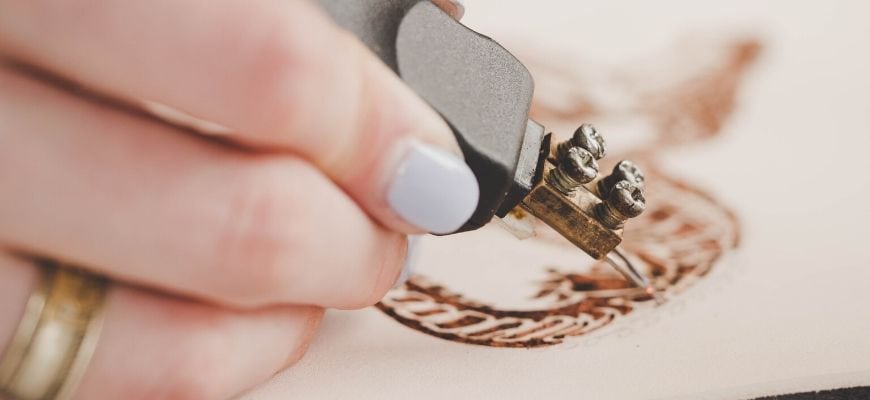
433 189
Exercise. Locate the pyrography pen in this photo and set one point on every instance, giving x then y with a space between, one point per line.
484 94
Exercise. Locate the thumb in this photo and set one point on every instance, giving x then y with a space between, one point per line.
383 145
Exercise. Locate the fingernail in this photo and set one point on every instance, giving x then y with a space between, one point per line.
433 189
410 261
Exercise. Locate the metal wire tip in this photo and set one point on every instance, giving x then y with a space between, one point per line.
625 267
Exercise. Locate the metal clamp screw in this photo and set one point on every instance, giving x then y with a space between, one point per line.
575 168
587 138
625 170
624 201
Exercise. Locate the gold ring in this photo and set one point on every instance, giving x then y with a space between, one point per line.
56 336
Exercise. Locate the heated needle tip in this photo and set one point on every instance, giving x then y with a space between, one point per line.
627 269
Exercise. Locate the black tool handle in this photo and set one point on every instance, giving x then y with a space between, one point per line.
480 89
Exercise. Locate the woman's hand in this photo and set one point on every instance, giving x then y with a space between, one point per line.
225 242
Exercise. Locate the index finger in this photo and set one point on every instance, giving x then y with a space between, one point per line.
278 74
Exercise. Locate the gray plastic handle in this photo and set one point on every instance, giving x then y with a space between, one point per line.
480 89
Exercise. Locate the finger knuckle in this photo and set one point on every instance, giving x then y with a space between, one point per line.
277 71
285 63
263 236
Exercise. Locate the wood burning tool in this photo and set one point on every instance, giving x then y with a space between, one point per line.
484 94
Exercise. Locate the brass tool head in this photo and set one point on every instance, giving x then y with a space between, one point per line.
591 219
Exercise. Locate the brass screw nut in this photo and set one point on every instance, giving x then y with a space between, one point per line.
576 167
624 201
587 138
625 170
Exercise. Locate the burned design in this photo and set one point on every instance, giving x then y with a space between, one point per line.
680 238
